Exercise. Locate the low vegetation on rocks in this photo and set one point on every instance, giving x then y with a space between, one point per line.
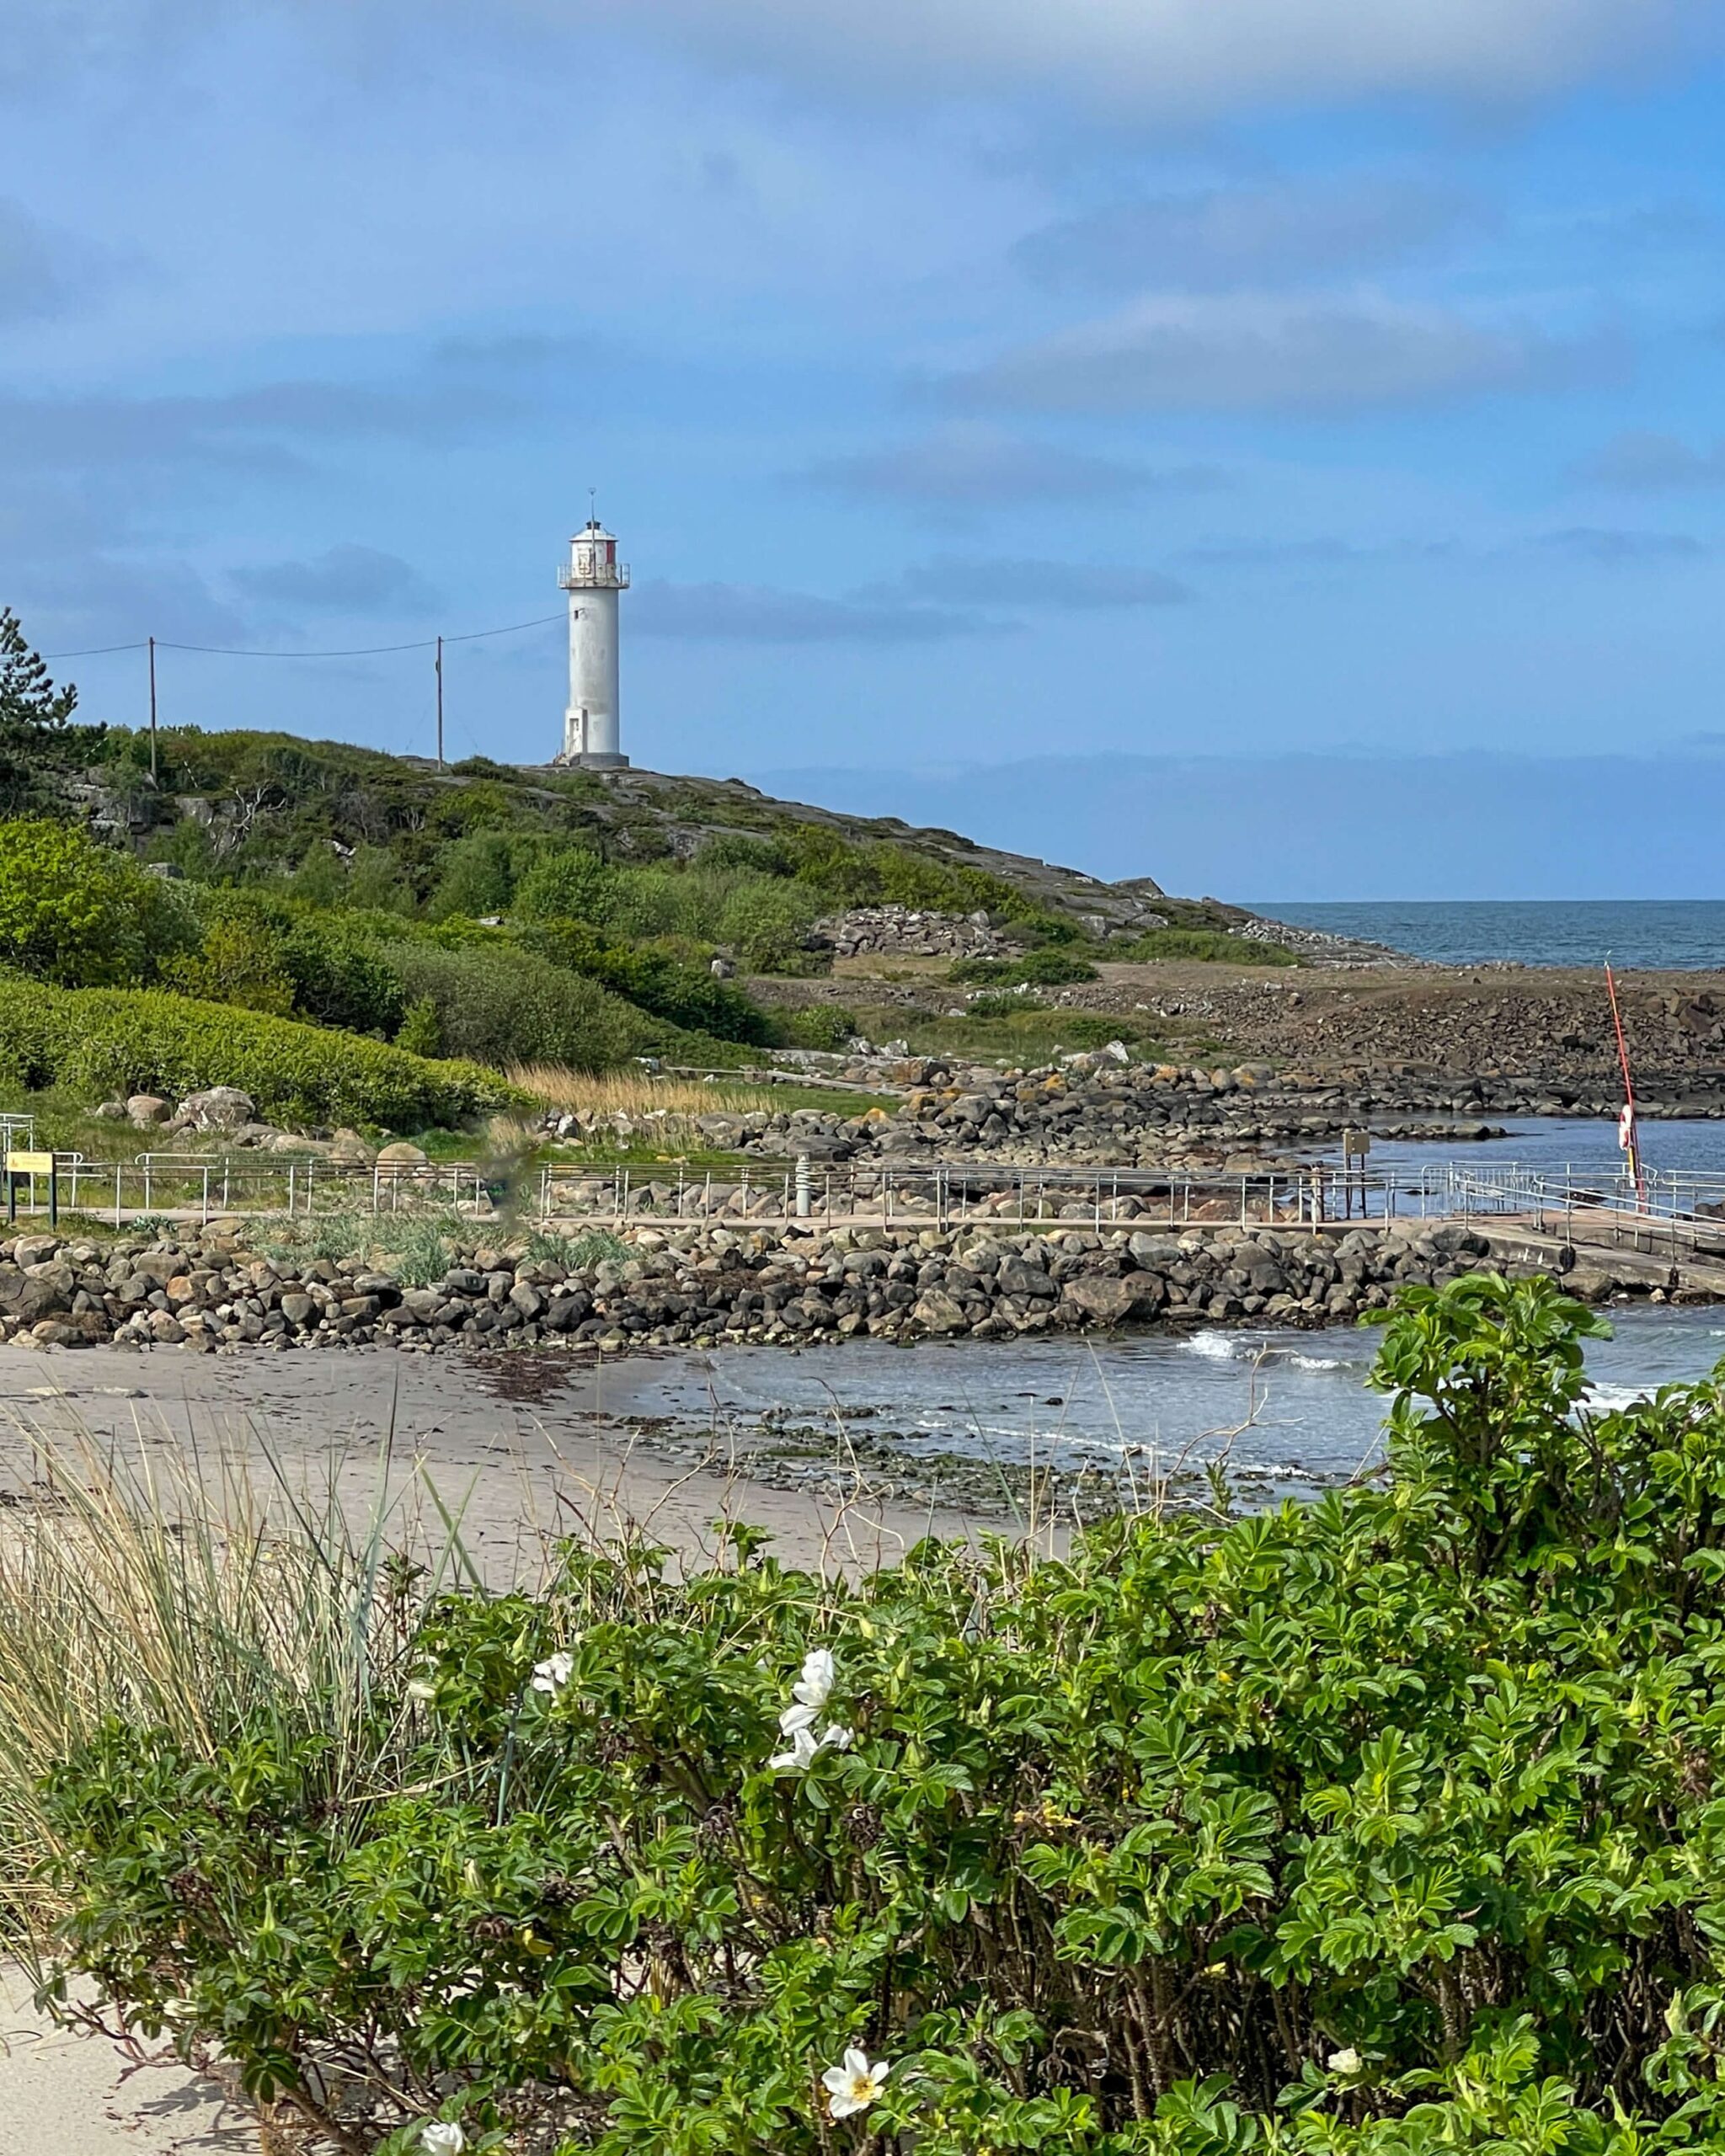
1381 1826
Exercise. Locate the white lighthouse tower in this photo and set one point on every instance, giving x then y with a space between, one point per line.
593 577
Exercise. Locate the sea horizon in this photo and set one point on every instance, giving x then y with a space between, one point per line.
1679 935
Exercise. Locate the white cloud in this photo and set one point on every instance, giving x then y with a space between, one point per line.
1213 238
1646 462
968 465
1266 352
347 580
1190 58
1015 581
754 613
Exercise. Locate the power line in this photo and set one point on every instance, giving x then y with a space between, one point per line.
358 651
474 635
234 651
95 651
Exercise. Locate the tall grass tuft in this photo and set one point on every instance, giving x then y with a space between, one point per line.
183 1598
420 1247
636 1092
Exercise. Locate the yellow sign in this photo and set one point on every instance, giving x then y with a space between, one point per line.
30 1164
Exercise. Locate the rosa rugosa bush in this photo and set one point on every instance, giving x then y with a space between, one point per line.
1384 1824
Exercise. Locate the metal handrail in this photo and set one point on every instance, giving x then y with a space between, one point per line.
605 576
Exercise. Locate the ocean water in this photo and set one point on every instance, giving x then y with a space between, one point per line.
1659 932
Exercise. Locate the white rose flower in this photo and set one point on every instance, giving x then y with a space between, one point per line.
442 2138
1344 2062
853 2086
805 1745
551 1674
799 1758
814 1688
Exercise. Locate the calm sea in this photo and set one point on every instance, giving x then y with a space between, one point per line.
1674 932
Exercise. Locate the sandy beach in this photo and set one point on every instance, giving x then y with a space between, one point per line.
519 1462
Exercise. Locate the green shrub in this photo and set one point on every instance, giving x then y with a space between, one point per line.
329 960
1210 944
1044 967
341 974
736 850
420 1034
683 991
108 1041
79 913
767 925
824 1025
1384 1825
1001 1005
477 876
571 884
239 962
507 1006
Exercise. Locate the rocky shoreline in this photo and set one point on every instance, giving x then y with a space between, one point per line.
1100 1109
699 1286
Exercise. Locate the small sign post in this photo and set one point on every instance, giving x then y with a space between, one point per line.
1355 1146
32 1165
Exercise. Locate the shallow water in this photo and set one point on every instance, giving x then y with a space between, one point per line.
1690 1145
1293 1405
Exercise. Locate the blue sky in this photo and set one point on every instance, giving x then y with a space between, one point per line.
967 379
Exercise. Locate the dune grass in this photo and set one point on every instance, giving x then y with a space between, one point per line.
178 1596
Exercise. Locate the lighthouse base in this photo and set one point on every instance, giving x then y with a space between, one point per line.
589 759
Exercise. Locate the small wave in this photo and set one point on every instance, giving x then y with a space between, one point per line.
1220 1347
1316 1361
1610 1396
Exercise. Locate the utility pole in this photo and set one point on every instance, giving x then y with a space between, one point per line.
153 711
440 703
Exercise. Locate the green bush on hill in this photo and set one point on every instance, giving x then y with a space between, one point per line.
77 913
239 962
117 1042
841 872
1045 967
1210 945
683 991
270 954
505 1006
1386 1824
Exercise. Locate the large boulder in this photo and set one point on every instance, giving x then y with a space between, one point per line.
401 1155
146 1111
936 1312
1103 1300
222 1108
44 1292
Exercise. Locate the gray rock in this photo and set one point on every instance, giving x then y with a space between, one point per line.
145 1111
222 1108
1106 1301
938 1312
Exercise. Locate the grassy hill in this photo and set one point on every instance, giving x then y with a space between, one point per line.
494 915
